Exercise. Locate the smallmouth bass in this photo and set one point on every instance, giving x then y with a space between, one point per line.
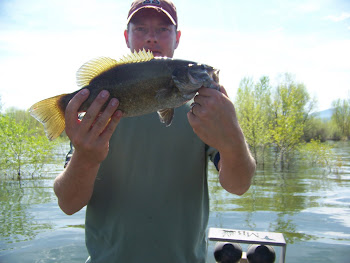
141 82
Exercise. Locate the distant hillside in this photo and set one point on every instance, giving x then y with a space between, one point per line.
325 114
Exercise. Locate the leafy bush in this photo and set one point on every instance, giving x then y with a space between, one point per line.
22 146
316 153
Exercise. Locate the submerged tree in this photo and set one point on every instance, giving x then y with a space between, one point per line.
253 110
316 153
273 117
341 116
21 146
291 108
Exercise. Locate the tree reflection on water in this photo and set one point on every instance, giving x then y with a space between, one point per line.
17 222
277 198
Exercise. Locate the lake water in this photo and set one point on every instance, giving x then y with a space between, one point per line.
310 206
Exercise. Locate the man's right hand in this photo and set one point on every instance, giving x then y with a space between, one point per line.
91 135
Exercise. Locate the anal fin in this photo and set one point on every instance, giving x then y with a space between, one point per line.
166 116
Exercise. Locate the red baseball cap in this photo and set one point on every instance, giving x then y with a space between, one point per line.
166 6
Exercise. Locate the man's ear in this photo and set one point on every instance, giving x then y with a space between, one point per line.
178 35
126 35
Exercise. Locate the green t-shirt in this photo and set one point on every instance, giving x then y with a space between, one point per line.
150 201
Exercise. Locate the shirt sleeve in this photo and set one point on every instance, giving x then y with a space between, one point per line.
69 155
214 156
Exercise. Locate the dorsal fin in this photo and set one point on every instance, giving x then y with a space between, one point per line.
94 68
97 66
136 57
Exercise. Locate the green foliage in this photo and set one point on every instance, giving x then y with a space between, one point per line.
317 128
22 116
316 153
21 146
290 112
275 118
280 119
341 116
253 104
335 132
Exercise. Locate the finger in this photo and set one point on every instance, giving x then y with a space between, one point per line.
71 112
111 126
191 117
199 99
193 120
193 105
204 103
103 119
223 90
94 109
207 92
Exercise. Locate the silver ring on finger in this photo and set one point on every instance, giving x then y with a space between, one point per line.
192 106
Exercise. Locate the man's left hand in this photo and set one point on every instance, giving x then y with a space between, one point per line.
213 118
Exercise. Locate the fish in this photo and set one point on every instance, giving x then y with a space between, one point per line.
141 82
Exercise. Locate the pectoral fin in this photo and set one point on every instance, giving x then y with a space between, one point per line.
166 116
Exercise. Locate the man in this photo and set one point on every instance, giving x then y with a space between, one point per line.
145 185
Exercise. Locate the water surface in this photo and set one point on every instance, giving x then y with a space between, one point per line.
310 206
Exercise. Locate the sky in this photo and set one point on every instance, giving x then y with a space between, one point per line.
44 42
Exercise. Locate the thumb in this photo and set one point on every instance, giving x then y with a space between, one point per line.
222 89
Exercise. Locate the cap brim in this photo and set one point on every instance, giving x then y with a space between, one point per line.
153 7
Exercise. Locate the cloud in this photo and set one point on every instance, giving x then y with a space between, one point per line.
343 16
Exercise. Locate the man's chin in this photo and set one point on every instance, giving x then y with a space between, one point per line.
157 54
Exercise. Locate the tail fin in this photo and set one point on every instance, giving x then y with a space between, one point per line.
51 115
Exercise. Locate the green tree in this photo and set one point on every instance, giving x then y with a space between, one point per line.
253 111
262 96
316 153
20 115
291 108
22 147
316 129
341 116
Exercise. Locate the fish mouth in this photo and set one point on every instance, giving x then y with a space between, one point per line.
207 75
214 74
